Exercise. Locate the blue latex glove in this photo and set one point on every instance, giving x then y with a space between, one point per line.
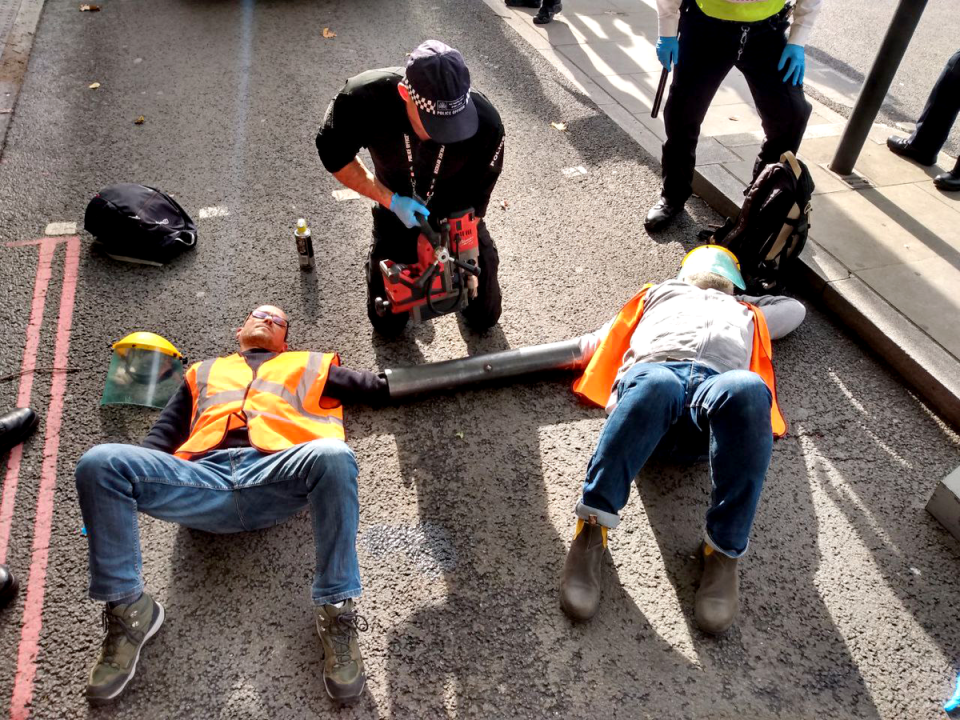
668 50
407 210
954 702
792 58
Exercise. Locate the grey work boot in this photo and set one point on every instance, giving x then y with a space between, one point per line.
128 627
343 674
580 582
718 598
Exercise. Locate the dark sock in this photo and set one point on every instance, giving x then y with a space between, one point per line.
129 600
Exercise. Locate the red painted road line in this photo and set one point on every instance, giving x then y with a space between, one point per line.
33 606
27 366
39 241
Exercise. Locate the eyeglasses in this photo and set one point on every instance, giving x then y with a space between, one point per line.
261 315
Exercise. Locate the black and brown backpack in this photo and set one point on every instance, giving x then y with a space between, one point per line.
772 226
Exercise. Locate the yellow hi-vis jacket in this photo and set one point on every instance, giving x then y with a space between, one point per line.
281 407
596 383
741 10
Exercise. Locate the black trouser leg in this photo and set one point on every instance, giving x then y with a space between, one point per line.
484 310
941 110
783 109
708 49
548 5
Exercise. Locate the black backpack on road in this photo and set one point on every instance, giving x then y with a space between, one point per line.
140 224
772 226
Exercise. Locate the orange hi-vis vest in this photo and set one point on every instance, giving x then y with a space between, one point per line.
596 383
281 407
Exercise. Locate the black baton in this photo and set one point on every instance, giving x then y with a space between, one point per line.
659 96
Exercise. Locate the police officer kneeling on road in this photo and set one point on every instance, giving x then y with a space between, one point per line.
248 441
715 36
437 149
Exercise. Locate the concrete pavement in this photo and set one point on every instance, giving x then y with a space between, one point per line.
850 593
885 244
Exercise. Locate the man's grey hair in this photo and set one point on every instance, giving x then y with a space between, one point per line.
710 281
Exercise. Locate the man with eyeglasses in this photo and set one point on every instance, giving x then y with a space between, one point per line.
248 441
437 149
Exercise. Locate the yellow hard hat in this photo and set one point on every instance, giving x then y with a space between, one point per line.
148 341
714 259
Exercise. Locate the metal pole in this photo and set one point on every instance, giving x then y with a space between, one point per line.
877 84
450 374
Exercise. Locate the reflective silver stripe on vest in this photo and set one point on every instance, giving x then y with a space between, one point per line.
273 388
251 414
219 399
311 372
203 378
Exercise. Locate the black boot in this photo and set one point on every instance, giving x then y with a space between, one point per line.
902 147
546 13
522 3
16 426
8 585
949 181
662 214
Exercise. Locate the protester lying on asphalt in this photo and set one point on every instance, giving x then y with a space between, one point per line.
437 149
248 441
684 370
934 125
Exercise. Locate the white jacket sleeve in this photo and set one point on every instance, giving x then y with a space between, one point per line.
591 341
783 314
668 15
804 14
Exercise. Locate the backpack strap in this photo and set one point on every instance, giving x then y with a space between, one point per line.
187 238
789 157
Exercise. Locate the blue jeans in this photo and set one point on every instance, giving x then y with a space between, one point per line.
684 409
224 491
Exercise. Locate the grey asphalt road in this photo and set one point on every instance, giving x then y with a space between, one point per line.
850 590
848 35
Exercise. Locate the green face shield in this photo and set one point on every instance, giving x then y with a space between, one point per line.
145 370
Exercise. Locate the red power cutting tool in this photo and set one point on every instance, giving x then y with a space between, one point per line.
444 278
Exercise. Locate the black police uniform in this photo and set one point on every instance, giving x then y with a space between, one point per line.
940 112
369 112
709 49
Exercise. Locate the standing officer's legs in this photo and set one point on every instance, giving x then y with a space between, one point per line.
782 107
707 52
940 112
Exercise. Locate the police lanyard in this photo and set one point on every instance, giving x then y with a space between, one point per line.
413 177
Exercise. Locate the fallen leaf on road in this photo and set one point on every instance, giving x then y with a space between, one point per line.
328 33
734 118
504 204
139 121
559 126
460 434
89 8
94 86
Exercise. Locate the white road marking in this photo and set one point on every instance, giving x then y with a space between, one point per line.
574 171
214 211
346 194
61 228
